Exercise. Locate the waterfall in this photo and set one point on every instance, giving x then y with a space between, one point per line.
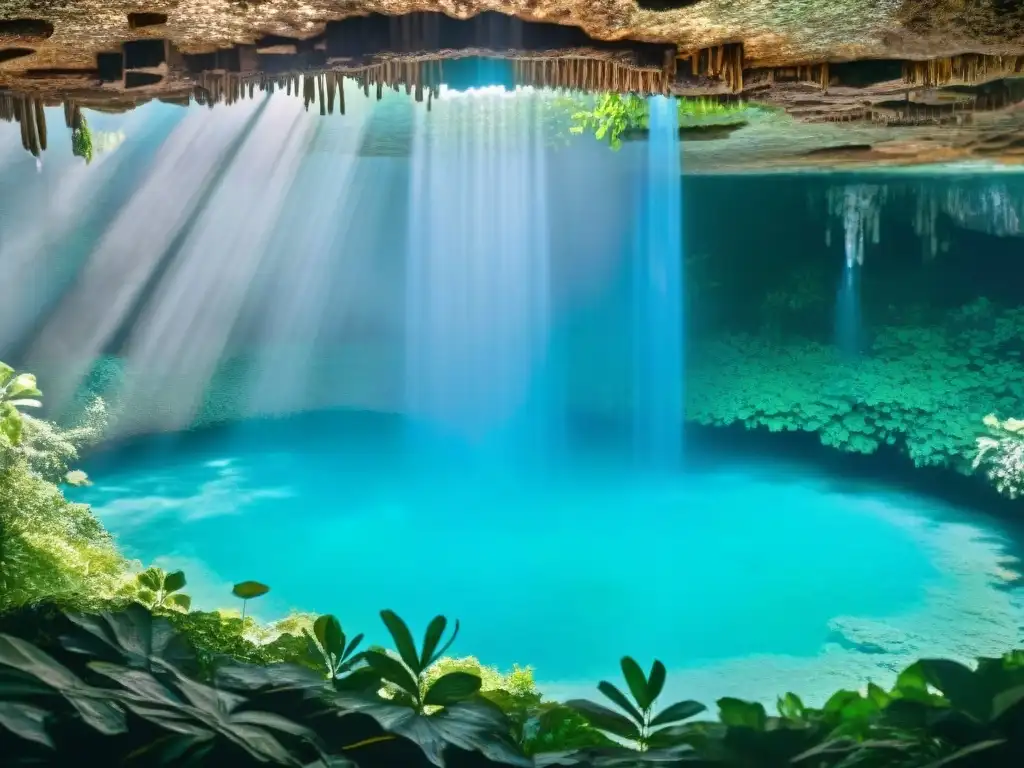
478 309
657 295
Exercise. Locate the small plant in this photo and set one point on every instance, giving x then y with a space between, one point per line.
248 590
409 671
159 589
17 390
329 650
639 725
1002 454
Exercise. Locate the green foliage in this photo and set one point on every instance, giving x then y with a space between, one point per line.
249 590
81 141
615 115
640 725
925 389
130 687
49 547
158 589
16 391
1001 452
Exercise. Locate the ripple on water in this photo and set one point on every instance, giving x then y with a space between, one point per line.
748 581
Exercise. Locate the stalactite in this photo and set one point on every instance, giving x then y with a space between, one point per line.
968 68
40 123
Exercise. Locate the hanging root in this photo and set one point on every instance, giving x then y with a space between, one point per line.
723 62
967 69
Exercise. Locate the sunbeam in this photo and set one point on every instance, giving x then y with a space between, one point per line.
118 269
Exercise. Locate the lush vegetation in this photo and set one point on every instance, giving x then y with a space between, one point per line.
102 658
925 387
134 686
81 142
614 116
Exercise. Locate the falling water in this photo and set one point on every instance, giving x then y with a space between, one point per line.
858 207
478 307
657 295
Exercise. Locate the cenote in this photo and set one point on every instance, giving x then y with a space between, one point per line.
474 363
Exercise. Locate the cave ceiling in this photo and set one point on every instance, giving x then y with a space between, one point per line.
921 65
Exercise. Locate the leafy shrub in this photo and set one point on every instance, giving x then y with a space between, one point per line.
126 687
1001 452
924 389
49 547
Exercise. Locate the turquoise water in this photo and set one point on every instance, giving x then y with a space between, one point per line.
745 578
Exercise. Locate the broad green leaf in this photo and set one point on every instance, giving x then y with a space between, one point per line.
656 680
839 700
681 710
472 726
25 721
619 698
24 385
151 578
960 687
747 714
247 590
403 640
182 602
791 707
878 695
6 373
636 680
174 581
605 719
328 632
444 648
392 670
431 639
453 687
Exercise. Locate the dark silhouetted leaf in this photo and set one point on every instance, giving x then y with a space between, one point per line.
453 687
617 696
656 681
25 721
330 635
636 681
247 590
747 714
605 719
392 670
473 726
431 639
174 581
681 710
960 687
403 640
133 637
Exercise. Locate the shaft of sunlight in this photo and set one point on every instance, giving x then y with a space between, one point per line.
120 266
180 338
479 367
657 295
319 279
33 257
